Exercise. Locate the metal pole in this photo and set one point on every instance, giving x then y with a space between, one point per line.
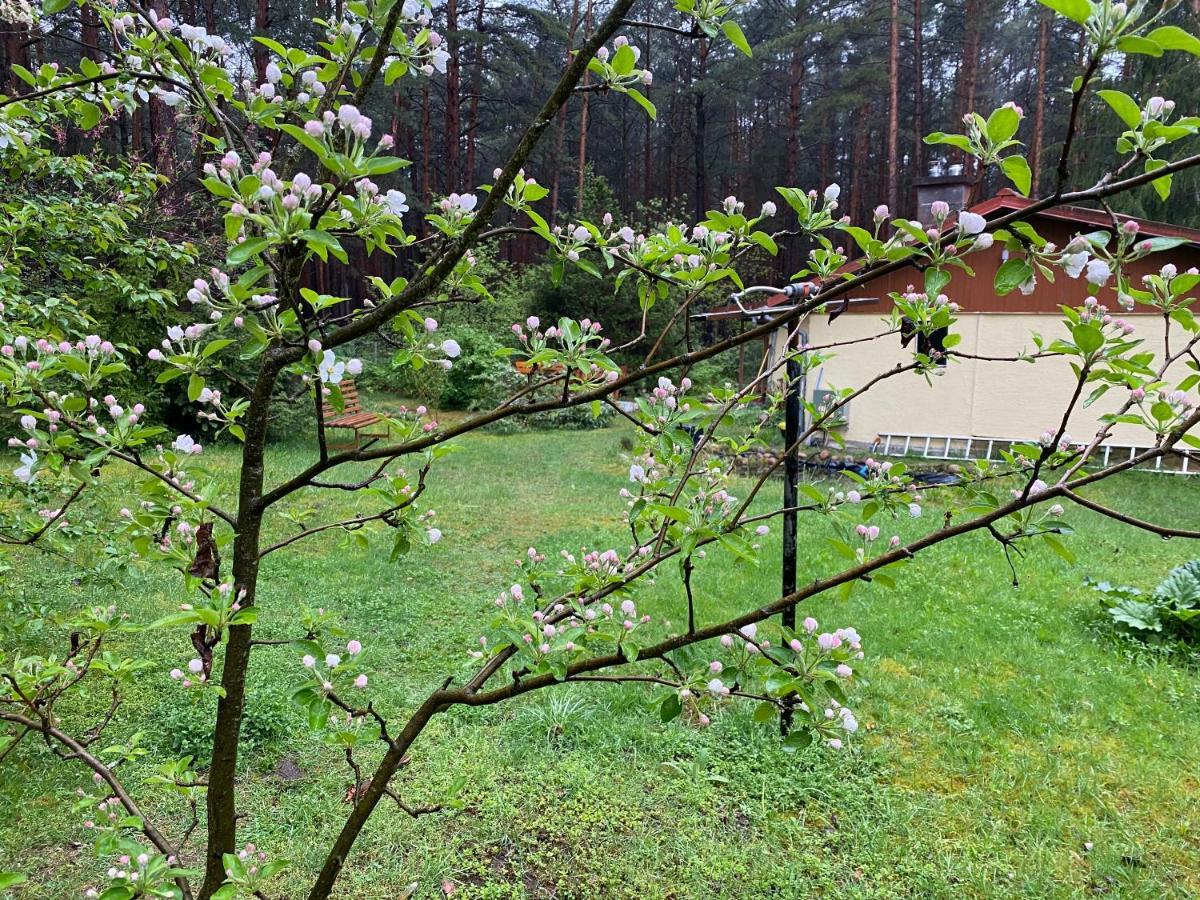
791 474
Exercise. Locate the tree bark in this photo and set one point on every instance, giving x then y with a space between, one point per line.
1039 101
16 53
162 123
968 70
89 32
583 117
918 160
453 83
795 96
262 26
221 805
856 202
893 140
700 135
426 149
476 91
560 137
648 124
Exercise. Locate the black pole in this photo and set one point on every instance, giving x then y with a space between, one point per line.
791 473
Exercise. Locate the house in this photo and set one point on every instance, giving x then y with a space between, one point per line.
974 408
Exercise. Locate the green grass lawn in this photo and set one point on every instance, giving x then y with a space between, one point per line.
1003 728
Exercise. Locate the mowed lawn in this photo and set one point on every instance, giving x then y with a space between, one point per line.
1004 731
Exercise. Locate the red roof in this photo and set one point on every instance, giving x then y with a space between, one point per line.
1006 200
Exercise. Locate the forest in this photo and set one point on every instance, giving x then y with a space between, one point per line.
439 460
833 92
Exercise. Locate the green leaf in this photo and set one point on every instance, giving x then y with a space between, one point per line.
1075 10
954 140
306 139
1131 43
671 707
1124 106
195 386
12 879
765 241
1059 547
215 347
623 60
247 616
271 44
736 36
89 115
1088 337
1136 614
322 242
1002 124
643 102
1172 37
1012 274
764 712
935 281
1017 171
1158 244
382 165
241 253
797 740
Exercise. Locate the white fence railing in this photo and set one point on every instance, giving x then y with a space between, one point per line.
959 447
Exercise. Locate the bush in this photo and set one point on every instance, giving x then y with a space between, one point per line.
1172 609
503 381
473 373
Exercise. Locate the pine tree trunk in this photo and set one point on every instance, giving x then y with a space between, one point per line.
918 160
648 124
426 152
162 122
16 53
453 82
583 116
795 94
262 26
1039 101
968 70
893 140
476 90
856 202
560 137
700 143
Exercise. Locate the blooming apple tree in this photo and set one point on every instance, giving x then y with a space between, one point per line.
292 167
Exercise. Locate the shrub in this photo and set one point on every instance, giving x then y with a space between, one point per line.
472 378
1172 609
502 381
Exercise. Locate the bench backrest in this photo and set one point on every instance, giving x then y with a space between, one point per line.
352 402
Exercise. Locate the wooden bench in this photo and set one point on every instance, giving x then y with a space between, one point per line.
352 416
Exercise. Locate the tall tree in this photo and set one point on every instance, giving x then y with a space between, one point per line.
700 135
262 26
476 91
918 119
968 67
560 136
893 127
583 117
1039 99
453 84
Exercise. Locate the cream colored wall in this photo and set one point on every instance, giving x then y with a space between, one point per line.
972 399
